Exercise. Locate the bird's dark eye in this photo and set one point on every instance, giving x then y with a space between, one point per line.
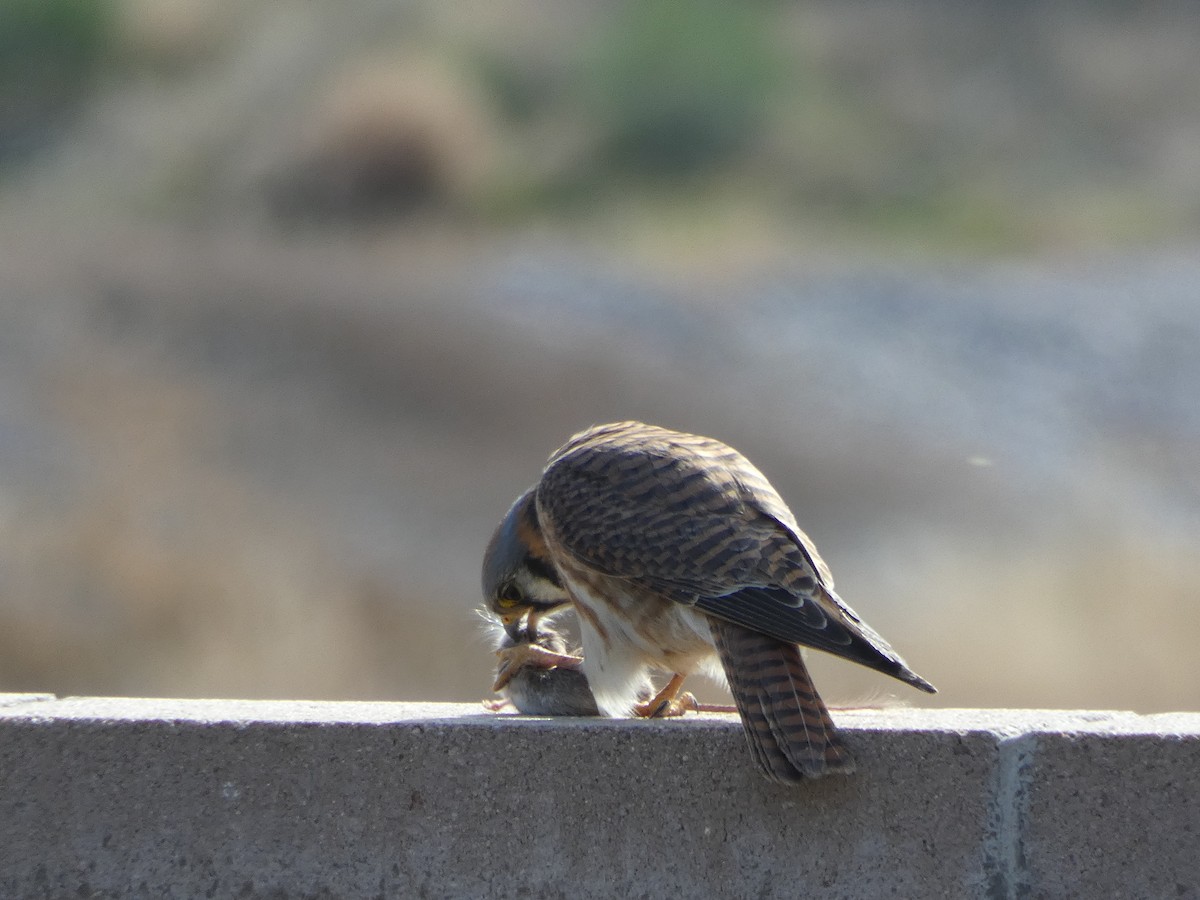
510 596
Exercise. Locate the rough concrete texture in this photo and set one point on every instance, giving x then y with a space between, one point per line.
1110 810
159 798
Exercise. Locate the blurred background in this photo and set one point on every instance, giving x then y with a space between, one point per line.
296 297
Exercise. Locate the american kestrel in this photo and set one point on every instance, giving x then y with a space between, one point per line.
675 551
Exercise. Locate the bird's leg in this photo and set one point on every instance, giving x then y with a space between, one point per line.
664 703
669 702
517 657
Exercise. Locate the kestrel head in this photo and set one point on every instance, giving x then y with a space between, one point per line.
519 576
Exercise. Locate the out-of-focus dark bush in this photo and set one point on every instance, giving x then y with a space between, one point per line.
49 50
384 140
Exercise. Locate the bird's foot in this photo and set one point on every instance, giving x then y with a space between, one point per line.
670 709
520 656
666 703
687 702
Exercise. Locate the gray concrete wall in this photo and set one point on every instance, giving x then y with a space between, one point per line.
195 798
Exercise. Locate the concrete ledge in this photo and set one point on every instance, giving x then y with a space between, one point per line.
194 798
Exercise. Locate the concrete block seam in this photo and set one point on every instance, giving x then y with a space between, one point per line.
1005 863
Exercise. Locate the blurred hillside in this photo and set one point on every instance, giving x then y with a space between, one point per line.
294 302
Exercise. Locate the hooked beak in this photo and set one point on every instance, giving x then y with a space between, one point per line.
521 625
512 626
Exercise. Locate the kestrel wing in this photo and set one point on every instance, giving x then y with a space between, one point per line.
692 519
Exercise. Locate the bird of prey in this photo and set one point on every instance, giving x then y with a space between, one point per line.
676 553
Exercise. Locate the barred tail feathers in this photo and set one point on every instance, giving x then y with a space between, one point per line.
788 728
